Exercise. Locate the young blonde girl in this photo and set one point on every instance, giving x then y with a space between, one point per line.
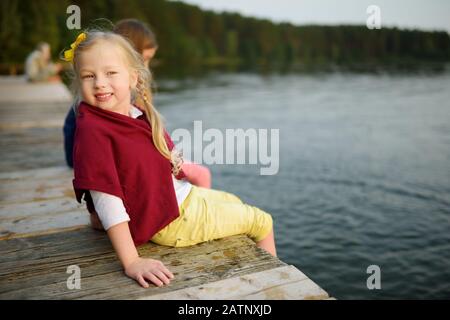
144 41
129 172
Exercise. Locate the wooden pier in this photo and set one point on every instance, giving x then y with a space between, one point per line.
44 231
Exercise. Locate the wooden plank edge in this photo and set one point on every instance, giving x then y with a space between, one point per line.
43 232
276 283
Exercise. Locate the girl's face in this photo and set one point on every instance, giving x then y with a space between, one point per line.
105 78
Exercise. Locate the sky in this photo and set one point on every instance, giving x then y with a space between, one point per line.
410 14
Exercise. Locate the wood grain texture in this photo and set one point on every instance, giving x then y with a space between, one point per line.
31 148
15 89
282 283
35 267
39 201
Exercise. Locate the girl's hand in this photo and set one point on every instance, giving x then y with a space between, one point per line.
142 269
177 161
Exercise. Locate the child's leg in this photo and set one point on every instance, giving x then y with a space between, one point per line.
268 244
217 195
227 219
216 214
212 214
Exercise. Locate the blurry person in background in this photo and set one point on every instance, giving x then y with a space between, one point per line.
140 35
39 67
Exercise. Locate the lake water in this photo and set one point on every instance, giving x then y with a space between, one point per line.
364 174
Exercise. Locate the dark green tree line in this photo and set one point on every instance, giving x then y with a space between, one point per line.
191 37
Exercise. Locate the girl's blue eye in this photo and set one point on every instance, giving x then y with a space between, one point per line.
87 76
110 73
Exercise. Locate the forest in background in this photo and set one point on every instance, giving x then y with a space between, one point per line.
191 38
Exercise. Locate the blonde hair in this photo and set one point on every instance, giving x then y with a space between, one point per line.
136 64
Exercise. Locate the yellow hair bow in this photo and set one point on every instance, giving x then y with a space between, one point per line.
68 54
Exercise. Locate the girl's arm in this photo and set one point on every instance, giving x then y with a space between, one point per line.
140 269
197 174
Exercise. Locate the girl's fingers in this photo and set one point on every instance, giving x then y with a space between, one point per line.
142 282
158 275
162 277
154 279
167 272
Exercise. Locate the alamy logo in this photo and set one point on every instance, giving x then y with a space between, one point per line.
74 20
74 280
374 280
235 146
374 20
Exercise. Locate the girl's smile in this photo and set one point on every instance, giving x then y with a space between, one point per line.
103 97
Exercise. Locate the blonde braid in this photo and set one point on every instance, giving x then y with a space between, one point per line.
155 121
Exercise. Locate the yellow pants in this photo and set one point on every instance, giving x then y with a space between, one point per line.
208 214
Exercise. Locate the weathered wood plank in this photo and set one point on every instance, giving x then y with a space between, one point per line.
38 201
42 191
42 173
17 89
40 116
23 103
31 148
31 120
39 207
38 225
297 290
35 268
9 236
41 110
30 182
285 282
25 189
15 123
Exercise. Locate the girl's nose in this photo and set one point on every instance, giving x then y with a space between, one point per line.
100 82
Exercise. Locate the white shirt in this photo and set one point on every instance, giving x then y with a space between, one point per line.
110 209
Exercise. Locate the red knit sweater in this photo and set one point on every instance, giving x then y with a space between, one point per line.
115 154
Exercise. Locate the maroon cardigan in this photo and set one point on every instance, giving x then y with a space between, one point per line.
115 154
